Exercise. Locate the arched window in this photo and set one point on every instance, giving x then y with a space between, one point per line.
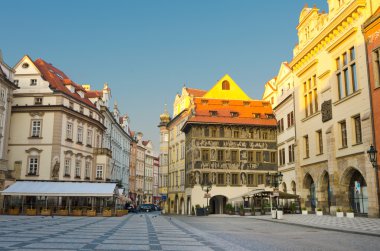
225 85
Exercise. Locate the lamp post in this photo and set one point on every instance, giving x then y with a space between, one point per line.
206 186
372 155
275 182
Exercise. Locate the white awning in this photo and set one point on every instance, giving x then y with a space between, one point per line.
65 189
247 194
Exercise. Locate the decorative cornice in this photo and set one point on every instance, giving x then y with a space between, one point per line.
33 149
351 32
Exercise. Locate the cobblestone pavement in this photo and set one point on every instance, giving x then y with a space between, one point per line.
131 232
358 225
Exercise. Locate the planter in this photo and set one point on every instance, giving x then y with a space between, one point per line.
120 213
14 211
31 211
63 212
319 213
46 212
304 212
200 211
242 213
107 213
339 214
91 213
77 212
350 215
273 214
280 215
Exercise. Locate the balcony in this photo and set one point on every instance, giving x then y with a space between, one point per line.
103 151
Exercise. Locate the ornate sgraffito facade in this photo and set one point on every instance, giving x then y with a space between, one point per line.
333 113
6 93
230 142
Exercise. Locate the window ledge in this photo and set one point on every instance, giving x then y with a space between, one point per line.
347 97
32 174
98 178
77 177
80 143
359 143
343 147
87 178
34 137
306 157
311 116
90 146
69 140
66 175
319 154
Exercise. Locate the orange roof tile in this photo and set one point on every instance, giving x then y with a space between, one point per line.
245 112
94 94
196 92
58 79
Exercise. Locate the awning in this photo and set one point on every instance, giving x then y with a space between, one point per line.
283 195
64 189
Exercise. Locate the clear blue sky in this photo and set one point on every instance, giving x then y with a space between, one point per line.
147 50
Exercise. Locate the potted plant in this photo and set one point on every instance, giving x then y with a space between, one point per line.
229 208
304 211
199 211
120 213
350 213
241 211
77 211
319 211
46 212
91 212
339 212
31 211
14 210
107 212
293 207
63 212
192 210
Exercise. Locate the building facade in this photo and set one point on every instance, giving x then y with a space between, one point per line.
65 128
279 92
333 113
371 31
148 172
164 155
6 95
230 143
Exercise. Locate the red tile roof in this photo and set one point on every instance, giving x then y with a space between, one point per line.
196 92
58 81
94 94
245 112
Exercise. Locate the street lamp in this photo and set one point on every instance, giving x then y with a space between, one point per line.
372 154
206 186
275 181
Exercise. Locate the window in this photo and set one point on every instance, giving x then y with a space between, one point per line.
250 156
358 129
280 125
89 137
376 66
236 134
213 113
343 133
290 119
81 109
260 179
99 172
256 115
258 157
213 133
234 179
306 144
346 73
220 155
87 170
205 155
15 82
36 128
234 114
281 154
250 179
291 153
67 167
225 85
205 177
77 168
220 178
71 105
69 131
33 82
91 114
320 142
38 101
310 96
273 157
234 156
33 165
80 134
2 94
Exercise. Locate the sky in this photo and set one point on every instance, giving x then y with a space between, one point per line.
147 50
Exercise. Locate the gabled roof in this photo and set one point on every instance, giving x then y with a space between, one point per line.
94 94
233 92
58 81
196 92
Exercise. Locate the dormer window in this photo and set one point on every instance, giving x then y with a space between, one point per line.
269 116
224 102
213 113
204 102
90 114
246 103
38 101
256 115
71 105
33 82
81 94
225 85
81 109
234 114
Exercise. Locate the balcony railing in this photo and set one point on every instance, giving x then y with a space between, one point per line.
103 151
